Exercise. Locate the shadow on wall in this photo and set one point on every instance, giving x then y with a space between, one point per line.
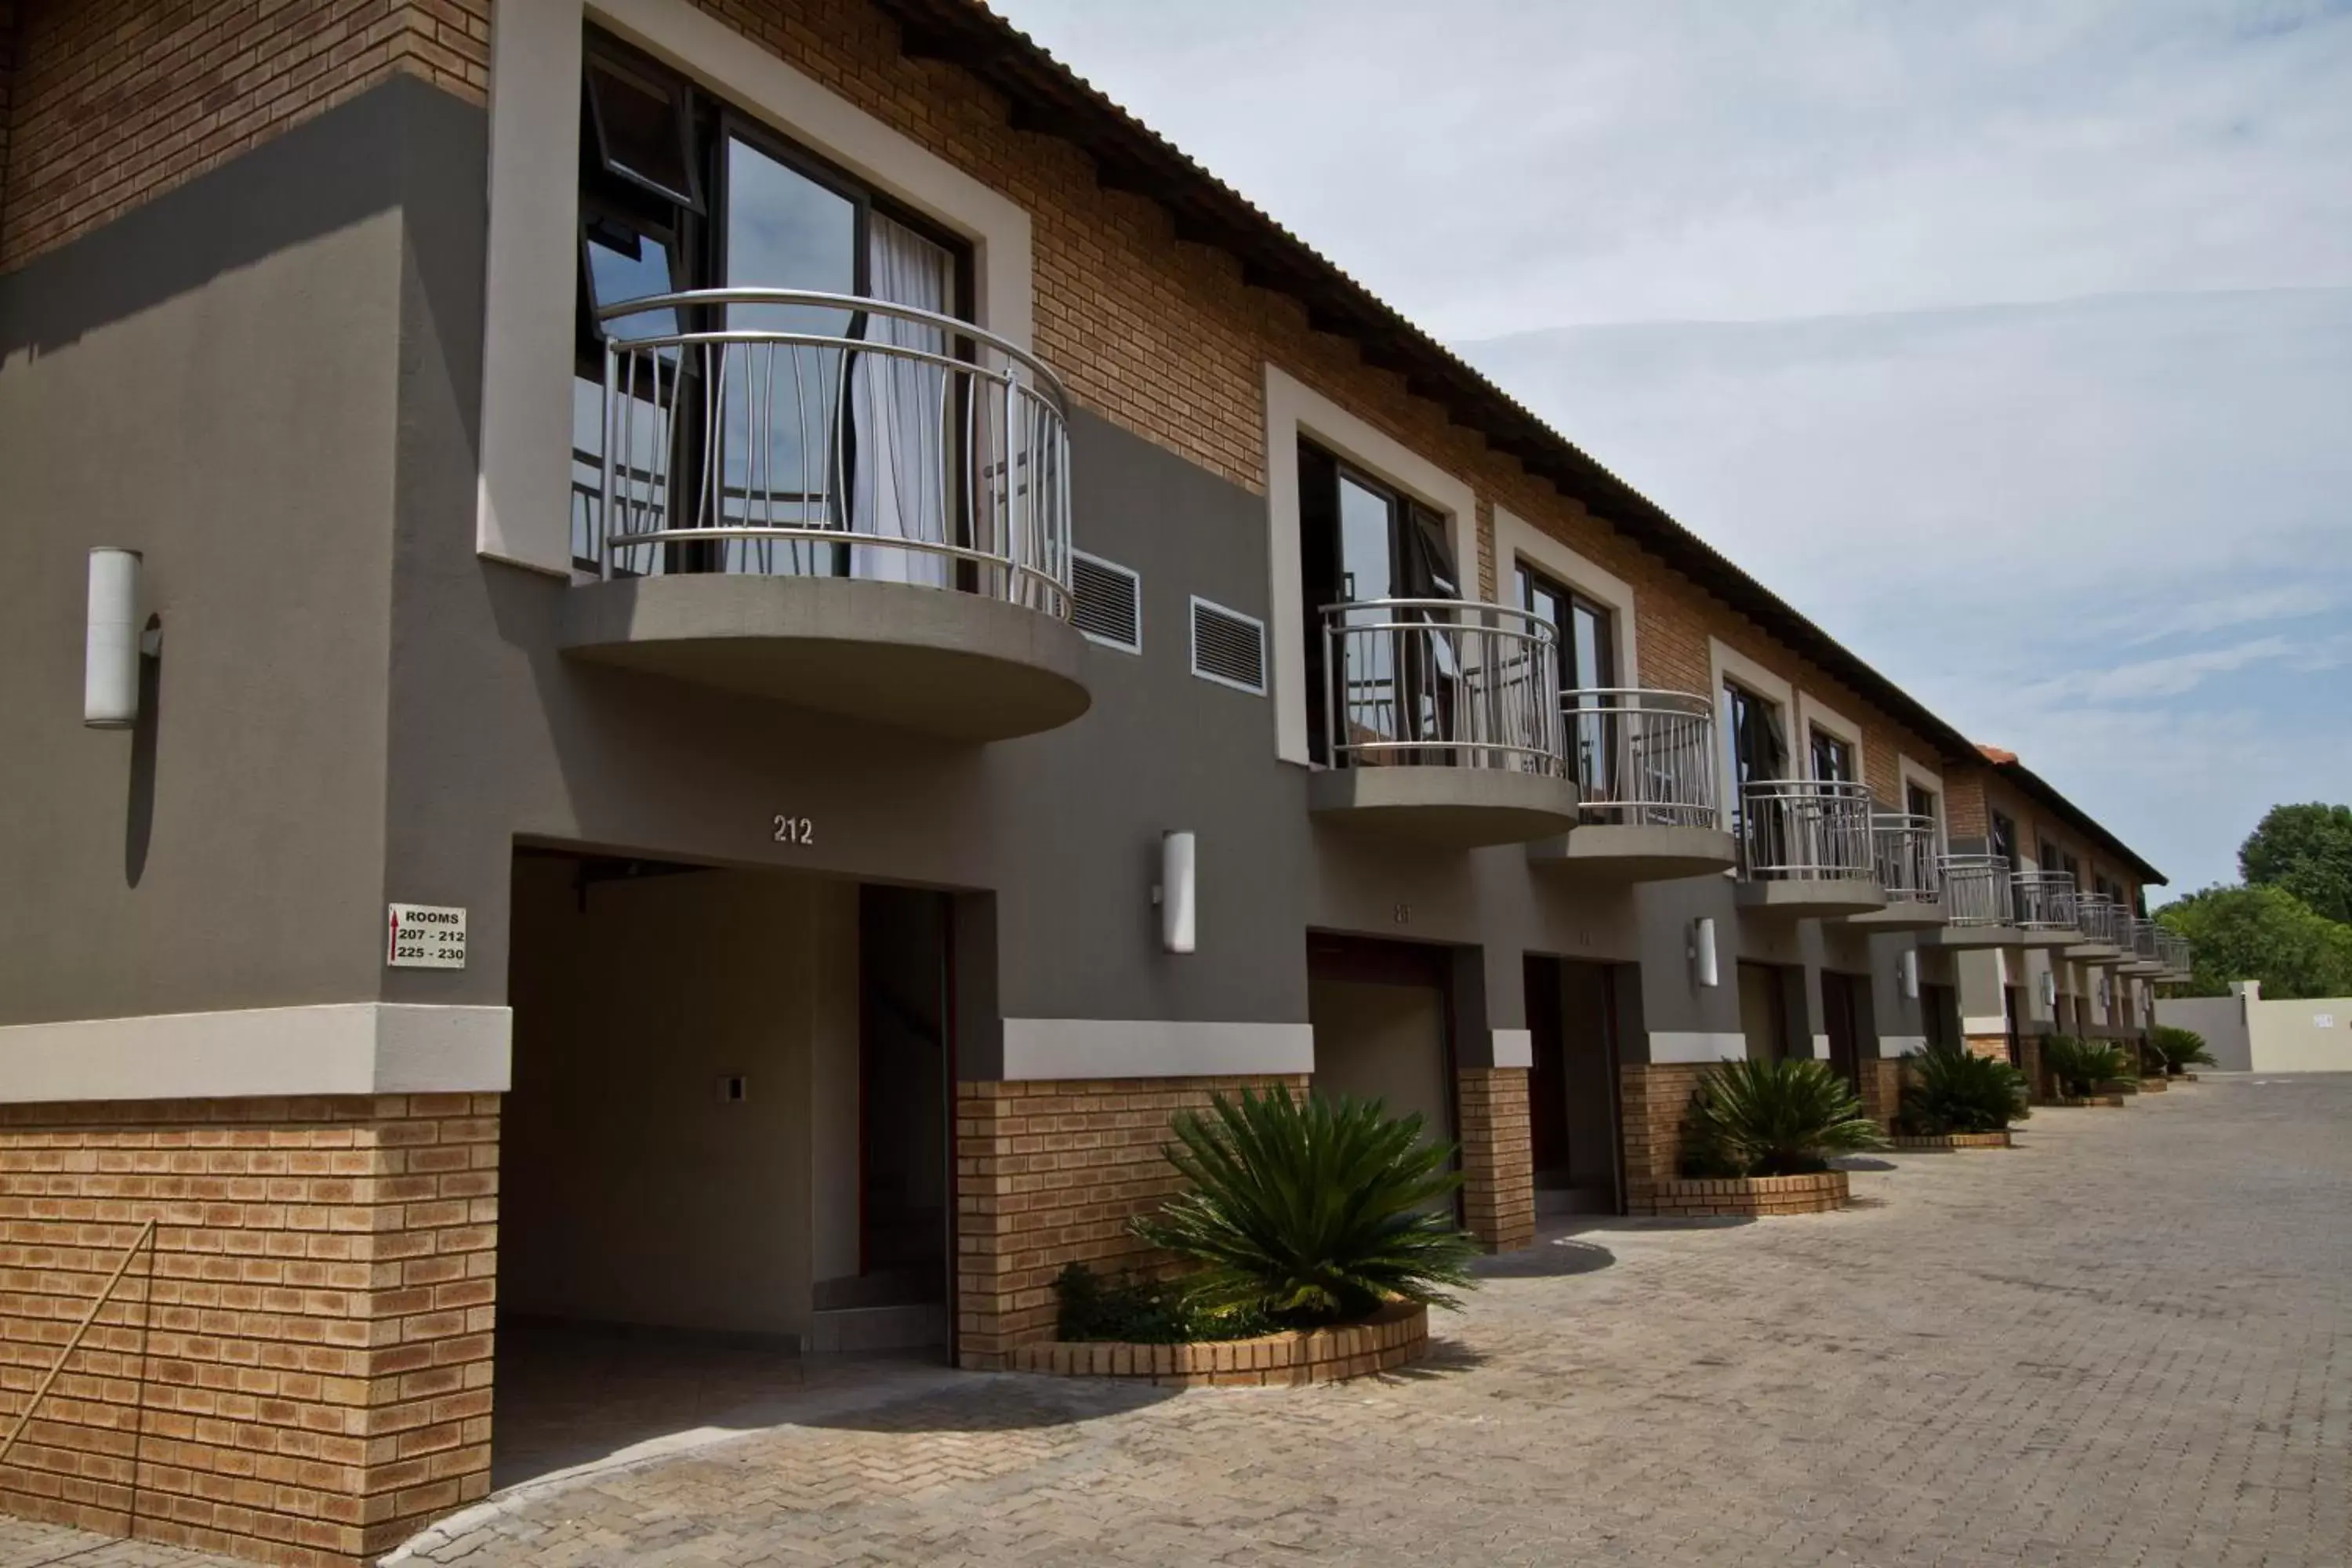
325 175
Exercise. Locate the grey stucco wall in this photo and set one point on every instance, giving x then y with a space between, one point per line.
209 380
356 707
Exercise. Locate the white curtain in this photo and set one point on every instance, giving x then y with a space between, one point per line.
900 483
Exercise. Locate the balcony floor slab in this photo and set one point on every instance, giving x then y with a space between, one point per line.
1962 939
2094 953
1900 915
2030 937
946 663
1462 808
1622 852
1823 898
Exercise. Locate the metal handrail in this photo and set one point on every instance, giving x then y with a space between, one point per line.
2095 917
1904 843
1977 890
2143 940
2045 899
1642 758
840 436
1805 830
1442 683
73 1343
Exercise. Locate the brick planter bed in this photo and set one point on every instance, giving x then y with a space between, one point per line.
2120 1086
1395 1336
1951 1139
2077 1101
2153 1085
1690 1197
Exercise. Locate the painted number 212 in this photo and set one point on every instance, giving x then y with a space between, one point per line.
796 831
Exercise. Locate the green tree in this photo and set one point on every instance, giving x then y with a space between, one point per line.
2262 934
2307 850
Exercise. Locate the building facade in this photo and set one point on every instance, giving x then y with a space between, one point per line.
760 632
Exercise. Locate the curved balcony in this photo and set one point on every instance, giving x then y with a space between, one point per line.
1645 762
2179 960
1442 724
2046 911
2143 955
2097 916
1909 870
1980 909
1806 848
841 502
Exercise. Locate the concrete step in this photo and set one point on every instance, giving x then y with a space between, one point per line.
923 1326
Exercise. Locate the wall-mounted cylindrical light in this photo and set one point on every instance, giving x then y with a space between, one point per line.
1907 971
1179 896
110 681
2050 990
1704 969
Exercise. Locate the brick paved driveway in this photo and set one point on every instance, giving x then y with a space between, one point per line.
2129 1341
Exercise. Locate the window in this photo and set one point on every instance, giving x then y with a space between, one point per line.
1832 758
2004 844
1363 543
1587 648
1920 802
1758 746
680 192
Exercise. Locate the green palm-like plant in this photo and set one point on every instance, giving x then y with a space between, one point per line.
2181 1048
1776 1118
1948 1089
2080 1066
1311 1210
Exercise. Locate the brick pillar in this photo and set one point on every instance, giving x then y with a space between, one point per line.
1049 1173
1995 1045
1882 1091
2029 1047
1653 1098
297 1370
1499 1171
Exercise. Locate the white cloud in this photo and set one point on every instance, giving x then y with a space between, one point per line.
1492 166
2288 601
2169 677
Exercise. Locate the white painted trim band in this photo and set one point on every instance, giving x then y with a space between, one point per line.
1985 1024
1821 1047
352 1048
1696 1046
1901 1045
1515 1047
1039 1049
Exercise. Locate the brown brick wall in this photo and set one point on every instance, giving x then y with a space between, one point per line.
1498 1170
118 100
1048 1173
1654 1100
299 1370
1882 1091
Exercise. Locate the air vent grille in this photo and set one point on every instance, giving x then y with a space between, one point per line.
1228 648
1107 602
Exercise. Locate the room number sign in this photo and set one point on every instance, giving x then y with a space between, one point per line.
424 936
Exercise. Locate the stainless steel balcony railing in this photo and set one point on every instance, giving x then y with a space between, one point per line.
1908 865
2045 901
1642 759
1805 830
776 431
1977 890
2174 952
2094 915
2144 941
1443 683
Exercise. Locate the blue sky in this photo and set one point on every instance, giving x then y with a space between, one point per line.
2012 342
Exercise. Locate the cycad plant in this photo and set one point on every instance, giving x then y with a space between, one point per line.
1948 1089
2080 1066
1310 1211
2181 1048
1775 1119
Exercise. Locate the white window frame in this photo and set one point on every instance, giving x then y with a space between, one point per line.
1294 409
1813 713
1517 541
1133 576
1725 664
1909 773
1192 644
523 508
